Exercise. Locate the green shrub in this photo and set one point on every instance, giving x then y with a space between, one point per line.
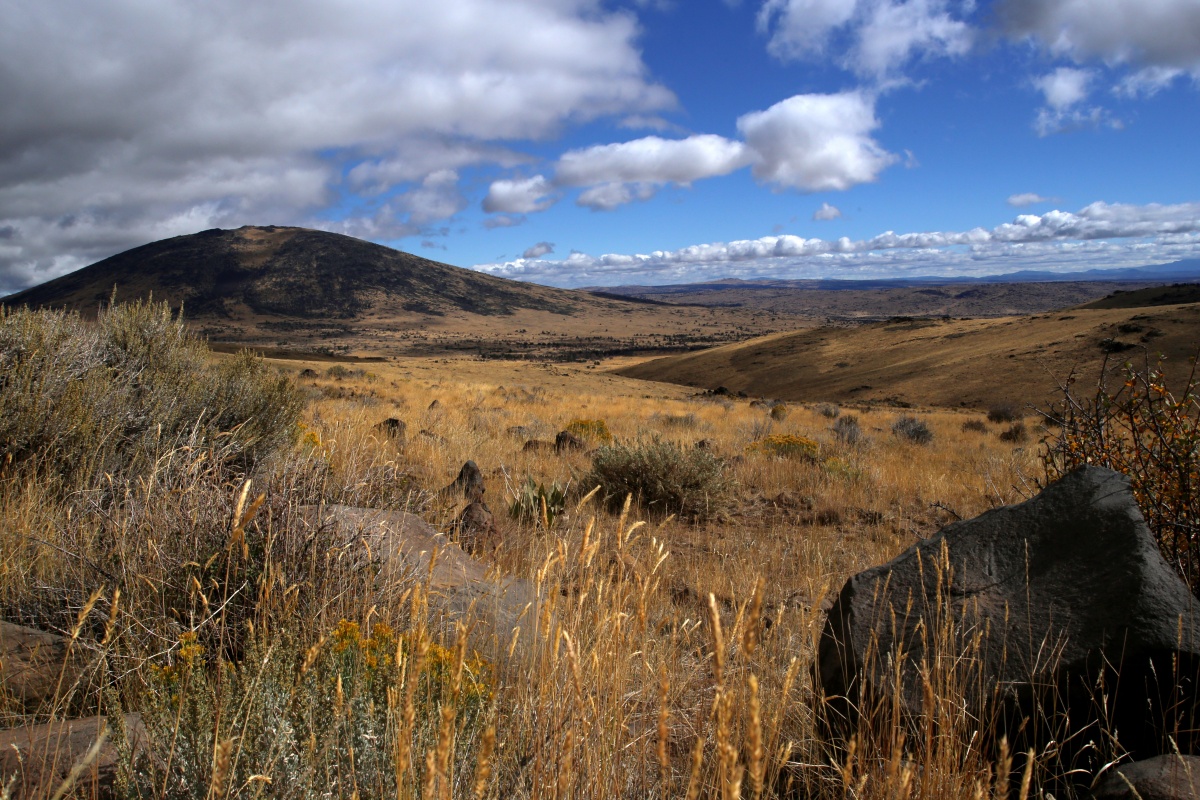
913 430
1152 435
595 430
82 400
537 504
663 477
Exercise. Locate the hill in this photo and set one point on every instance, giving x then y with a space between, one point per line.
940 362
313 291
1150 296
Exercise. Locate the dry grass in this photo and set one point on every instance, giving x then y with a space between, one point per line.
667 659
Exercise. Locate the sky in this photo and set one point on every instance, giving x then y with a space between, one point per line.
608 142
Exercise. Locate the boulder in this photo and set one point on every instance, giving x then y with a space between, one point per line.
401 547
42 756
567 442
34 665
393 428
468 484
476 529
1171 777
1065 592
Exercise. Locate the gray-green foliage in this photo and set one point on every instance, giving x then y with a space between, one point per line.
84 399
664 477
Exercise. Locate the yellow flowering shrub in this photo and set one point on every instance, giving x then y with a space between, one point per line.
785 445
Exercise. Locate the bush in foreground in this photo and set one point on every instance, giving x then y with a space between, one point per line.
82 400
663 477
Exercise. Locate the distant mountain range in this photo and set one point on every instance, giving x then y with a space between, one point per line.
1179 271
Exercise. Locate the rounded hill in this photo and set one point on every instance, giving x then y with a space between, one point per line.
289 272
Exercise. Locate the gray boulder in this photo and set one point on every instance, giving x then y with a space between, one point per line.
1172 777
1059 594
468 484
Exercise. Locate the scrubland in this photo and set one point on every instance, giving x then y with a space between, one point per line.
669 657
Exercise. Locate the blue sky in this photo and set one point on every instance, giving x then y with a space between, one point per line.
581 142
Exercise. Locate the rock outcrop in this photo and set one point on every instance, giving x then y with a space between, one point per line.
35 665
41 757
1047 601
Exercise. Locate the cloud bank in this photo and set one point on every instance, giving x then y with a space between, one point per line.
1056 241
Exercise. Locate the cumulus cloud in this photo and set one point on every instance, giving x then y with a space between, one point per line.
1054 241
1026 199
816 142
122 119
538 250
874 38
620 173
826 212
1065 86
1139 33
519 196
1065 90
809 142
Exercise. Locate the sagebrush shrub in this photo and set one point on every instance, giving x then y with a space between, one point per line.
663 477
913 430
82 399
847 430
1003 413
976 425
1152 435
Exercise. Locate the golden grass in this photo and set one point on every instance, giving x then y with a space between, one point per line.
667 660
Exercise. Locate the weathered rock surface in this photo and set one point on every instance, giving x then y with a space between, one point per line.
468 484
393 428
34 664
476 528
1071 588
42 756
401 546
1171 777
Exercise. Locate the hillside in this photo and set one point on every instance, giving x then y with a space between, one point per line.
1150 296
939 362
313 291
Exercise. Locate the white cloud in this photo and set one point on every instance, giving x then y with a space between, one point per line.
816 142
1156 33
519 196
826 212
1026 199
1065 86
620 173
651 160
1065 89
127 117
538 250
874 38
1098 236
607 196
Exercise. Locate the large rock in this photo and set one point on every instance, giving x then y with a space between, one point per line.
35 665
468 484
43 756
1172 777
1064 590
402 546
